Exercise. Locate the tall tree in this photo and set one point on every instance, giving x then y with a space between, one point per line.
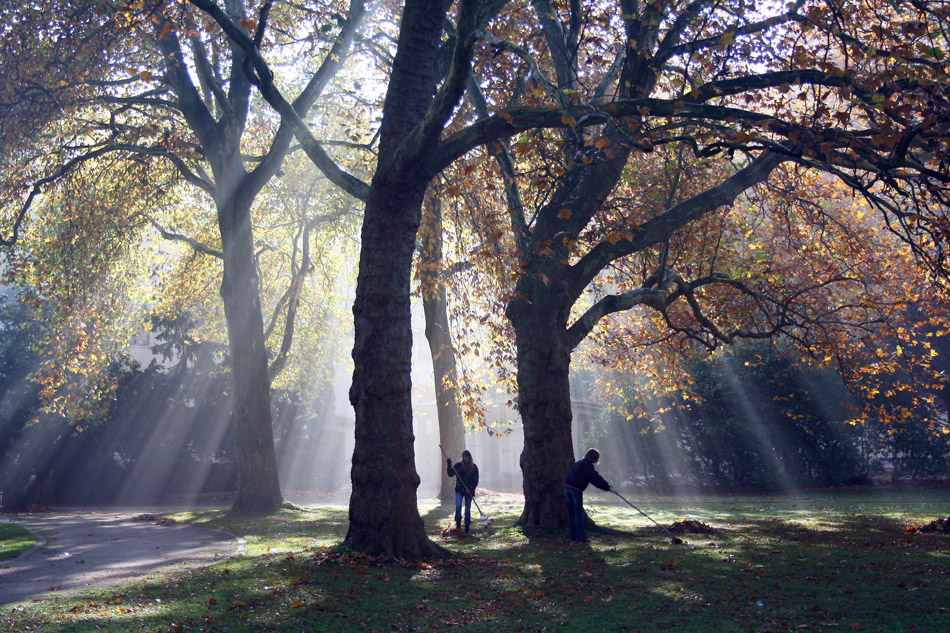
383 512
721 96
188 104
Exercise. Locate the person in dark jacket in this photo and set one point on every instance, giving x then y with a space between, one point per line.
466 479
581 474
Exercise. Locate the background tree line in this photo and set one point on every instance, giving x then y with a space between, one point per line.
759 418
165 434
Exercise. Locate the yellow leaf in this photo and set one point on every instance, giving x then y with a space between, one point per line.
569 121
602 142
564 214
728 38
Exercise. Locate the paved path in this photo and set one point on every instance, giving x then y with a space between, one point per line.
86 549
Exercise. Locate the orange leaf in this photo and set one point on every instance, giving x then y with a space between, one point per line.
564 214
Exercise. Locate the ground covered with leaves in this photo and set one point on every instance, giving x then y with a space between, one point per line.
806 563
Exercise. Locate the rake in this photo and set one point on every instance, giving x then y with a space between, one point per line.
676 540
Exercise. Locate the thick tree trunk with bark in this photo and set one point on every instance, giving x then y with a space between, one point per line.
258 482
383 513
544 398
384 517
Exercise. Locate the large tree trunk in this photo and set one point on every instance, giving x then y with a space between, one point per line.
384 517
258 482
439 337
544 398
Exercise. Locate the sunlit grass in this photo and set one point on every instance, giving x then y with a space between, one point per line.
14 540
818 562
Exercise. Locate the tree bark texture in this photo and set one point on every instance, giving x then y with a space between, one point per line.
544 398
383 512
258 481
384 517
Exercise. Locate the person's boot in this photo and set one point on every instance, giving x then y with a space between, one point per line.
458 526
466 527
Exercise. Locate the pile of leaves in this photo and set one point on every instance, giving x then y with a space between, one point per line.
937 525
156 518
454 532
690 526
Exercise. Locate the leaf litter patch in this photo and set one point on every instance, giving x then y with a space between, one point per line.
690 526
157 519
937 526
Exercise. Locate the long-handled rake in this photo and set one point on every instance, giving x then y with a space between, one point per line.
676 540
484 518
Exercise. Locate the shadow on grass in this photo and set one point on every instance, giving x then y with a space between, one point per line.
830 569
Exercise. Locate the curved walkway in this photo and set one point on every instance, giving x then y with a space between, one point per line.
89 549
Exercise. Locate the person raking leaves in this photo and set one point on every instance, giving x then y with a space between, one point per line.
581 474
466 479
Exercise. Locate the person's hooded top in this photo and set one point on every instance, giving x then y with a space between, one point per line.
583 473
461 474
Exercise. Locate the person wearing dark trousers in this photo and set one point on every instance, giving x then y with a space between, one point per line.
582 474
466 479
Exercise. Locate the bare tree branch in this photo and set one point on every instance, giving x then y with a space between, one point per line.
193 243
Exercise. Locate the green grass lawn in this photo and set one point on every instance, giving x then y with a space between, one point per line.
14 540
823 562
